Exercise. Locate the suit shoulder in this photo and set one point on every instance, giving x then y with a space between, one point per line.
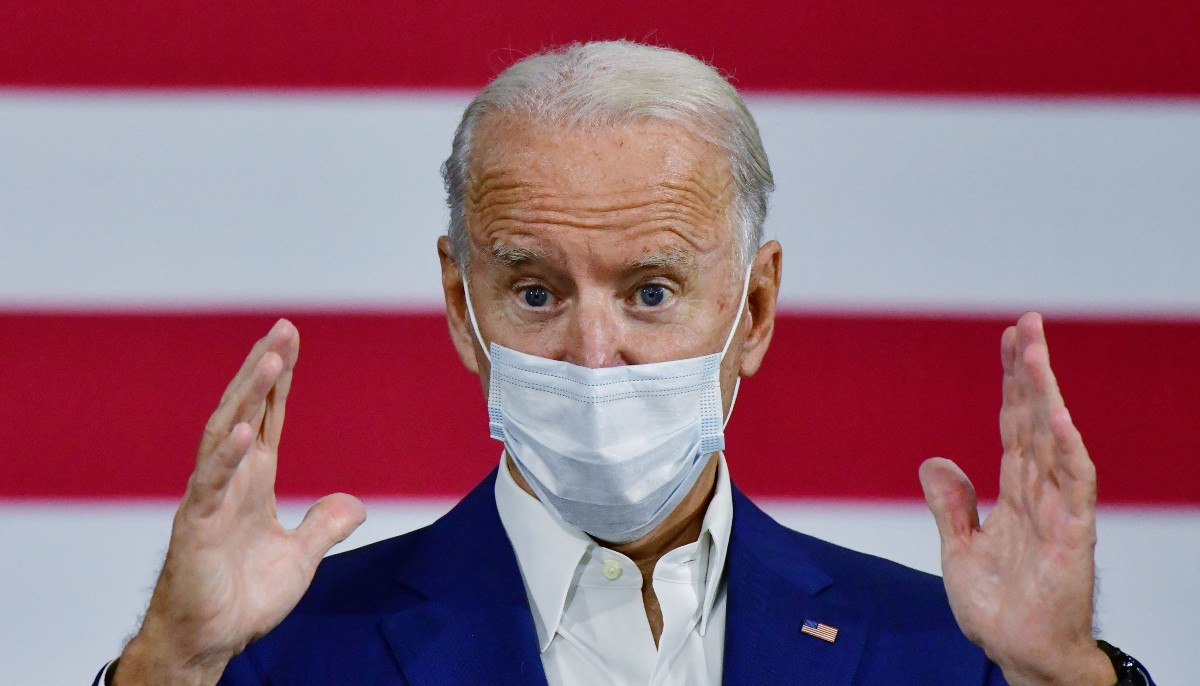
895 592
900 597
867 570
357 579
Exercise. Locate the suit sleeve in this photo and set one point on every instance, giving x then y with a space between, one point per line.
240 672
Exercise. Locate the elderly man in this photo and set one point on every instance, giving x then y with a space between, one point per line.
605 277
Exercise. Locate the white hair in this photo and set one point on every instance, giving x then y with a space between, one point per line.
610 83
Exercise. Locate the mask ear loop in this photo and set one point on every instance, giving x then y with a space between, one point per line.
474 324
737 384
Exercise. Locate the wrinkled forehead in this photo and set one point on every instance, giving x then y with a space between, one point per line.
638 177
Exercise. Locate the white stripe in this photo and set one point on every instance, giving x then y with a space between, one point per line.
150 200
926 204
333 199
82 573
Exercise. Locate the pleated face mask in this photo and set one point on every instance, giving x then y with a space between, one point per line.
613 450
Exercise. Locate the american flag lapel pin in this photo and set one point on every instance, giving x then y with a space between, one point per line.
821 631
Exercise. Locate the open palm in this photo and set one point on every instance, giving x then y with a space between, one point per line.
232 572
1021 584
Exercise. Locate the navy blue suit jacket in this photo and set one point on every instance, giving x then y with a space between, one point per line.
446 605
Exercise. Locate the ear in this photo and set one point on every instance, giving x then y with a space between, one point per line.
456 307
760 306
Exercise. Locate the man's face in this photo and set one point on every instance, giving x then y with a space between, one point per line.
600 248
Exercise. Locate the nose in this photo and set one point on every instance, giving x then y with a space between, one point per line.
594 334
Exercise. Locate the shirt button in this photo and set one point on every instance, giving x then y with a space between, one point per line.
612 570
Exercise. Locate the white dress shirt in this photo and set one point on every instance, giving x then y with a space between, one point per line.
587 600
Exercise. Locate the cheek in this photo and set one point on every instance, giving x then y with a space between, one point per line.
508 327
732 362
729 378
485 376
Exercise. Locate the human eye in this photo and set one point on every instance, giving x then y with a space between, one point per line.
535 296
652 294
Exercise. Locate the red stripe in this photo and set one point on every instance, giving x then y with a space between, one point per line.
1139 47
846 407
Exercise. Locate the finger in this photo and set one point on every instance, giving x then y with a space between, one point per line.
1033 373
1010 390
208 482
1018 469
277 397
246 403
1062 463
279 340
1008 347
276 341
1008 350
1035 392
1079 482
951 499
1036 438
1018 475
329 522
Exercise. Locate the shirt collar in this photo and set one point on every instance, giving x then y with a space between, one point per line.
718 525
549 550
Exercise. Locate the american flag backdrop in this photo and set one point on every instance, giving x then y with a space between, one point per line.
175 176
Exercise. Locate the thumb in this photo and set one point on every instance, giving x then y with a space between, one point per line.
328 522
951 499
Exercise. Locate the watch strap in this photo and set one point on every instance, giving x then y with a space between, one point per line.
1129 671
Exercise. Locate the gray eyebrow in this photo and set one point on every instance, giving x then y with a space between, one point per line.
671 258
512 256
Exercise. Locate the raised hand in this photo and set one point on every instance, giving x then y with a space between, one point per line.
1021 584
232 572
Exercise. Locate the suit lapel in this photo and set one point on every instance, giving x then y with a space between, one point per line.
454 642
772 590
474 624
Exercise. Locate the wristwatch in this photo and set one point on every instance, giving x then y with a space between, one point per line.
1129 671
